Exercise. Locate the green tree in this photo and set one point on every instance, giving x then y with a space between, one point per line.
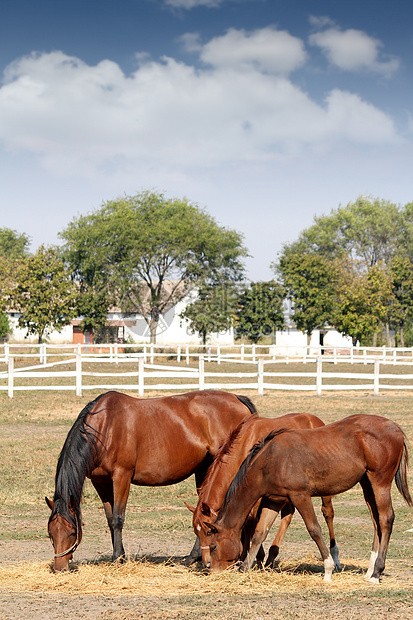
13 249
259 310
369 230
212 311
13 244
363 298
309 281
147 251
44 293
400 313
5 327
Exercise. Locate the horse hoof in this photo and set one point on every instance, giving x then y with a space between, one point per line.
189 561
374 580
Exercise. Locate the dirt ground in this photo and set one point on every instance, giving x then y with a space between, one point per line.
373 602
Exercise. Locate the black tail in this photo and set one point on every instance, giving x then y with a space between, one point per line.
248 403
401 476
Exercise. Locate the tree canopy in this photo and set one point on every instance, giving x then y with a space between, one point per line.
44 293
369 242
147 251
212 310
259 310
13 244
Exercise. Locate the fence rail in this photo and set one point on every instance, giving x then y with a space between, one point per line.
187 352
261 372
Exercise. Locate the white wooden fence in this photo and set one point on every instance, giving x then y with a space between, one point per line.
260 376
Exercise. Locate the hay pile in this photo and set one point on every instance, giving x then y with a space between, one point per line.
144 578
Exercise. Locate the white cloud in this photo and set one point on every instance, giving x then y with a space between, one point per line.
190 4
170 115
353 50
320 21
267 49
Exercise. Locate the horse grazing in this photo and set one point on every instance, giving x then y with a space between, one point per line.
118 440
261 517
296 465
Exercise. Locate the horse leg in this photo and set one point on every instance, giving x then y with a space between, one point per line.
287 513
305 507
371 504
269 512
121 488
328 514
105 492
378 499
196 552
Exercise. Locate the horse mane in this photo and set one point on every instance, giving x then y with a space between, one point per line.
247 402
242 472
74 464
224 449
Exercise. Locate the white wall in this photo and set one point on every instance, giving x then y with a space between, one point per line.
292 341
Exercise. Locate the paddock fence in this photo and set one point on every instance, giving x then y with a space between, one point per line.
144 368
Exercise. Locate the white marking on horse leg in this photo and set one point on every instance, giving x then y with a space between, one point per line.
328 568
374 580
370 570
334 555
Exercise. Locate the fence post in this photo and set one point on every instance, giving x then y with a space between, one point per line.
187 355
141 382
376 376
79 371
43 354
10 376
6 352
218 355
260 376
201 372
152 348
319 379
178 354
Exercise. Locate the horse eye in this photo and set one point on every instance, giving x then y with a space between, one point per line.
212 548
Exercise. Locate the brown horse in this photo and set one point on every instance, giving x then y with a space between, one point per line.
222 472
118 440
296 465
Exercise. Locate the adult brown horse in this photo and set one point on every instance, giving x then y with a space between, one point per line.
118 440
221 474
296 465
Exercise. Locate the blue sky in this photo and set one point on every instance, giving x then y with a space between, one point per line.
265 112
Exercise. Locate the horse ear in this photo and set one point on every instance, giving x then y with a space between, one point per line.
49 503
206 510
212 529
191 508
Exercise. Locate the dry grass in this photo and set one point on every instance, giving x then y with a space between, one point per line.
147 578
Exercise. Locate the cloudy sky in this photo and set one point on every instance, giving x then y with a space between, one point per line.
265 112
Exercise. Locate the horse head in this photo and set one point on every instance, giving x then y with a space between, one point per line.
65 534
225 546
202 510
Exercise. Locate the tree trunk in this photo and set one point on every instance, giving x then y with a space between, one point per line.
153 324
